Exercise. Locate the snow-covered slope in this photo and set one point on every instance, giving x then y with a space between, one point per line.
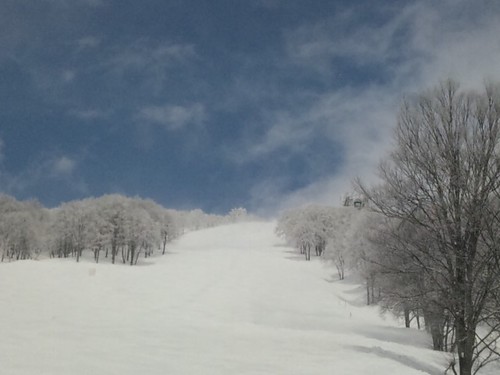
228 300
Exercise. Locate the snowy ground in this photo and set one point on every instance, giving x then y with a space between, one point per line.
228 300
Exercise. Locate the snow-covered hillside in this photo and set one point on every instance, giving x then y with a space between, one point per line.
228 300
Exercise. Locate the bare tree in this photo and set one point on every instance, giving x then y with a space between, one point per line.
443 178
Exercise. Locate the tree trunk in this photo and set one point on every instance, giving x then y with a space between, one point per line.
465 347
434 323
407 316
465 328
370 290
367 292
465 339
308 252
113 253
79 251
131 252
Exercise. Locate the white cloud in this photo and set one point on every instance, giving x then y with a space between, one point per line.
268 4
349 37
420 45
88 42
94 3
174 117
68 3
350 116
359 121
464 46
89 114
285 132
152 62
59 170
63 166
422 42
143 54
68 75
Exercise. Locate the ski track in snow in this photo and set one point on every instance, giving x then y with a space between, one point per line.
227 300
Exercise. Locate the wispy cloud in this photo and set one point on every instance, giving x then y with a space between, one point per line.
62 166
358 122
145 63
87 42
268 4
68 75
89 114
149 57
346 115
68 3
279 106
285 132
316 45
46 171
458 40
415 47
424 40
174 117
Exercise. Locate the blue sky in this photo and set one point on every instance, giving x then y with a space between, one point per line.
217 104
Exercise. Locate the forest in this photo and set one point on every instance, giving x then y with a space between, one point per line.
425 239
117 228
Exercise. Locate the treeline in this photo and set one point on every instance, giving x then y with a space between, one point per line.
429 244
340 235
348 237
115 227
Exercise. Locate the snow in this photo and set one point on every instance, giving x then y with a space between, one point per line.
226 300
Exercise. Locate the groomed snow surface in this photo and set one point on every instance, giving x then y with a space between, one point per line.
228 300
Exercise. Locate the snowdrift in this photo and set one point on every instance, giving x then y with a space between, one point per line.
227 300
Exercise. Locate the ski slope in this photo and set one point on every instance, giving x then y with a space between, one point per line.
227 300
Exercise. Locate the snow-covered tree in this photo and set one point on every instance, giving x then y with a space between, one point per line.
306 229
73 229
343 229
21 228
442 182
237 215
113 224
